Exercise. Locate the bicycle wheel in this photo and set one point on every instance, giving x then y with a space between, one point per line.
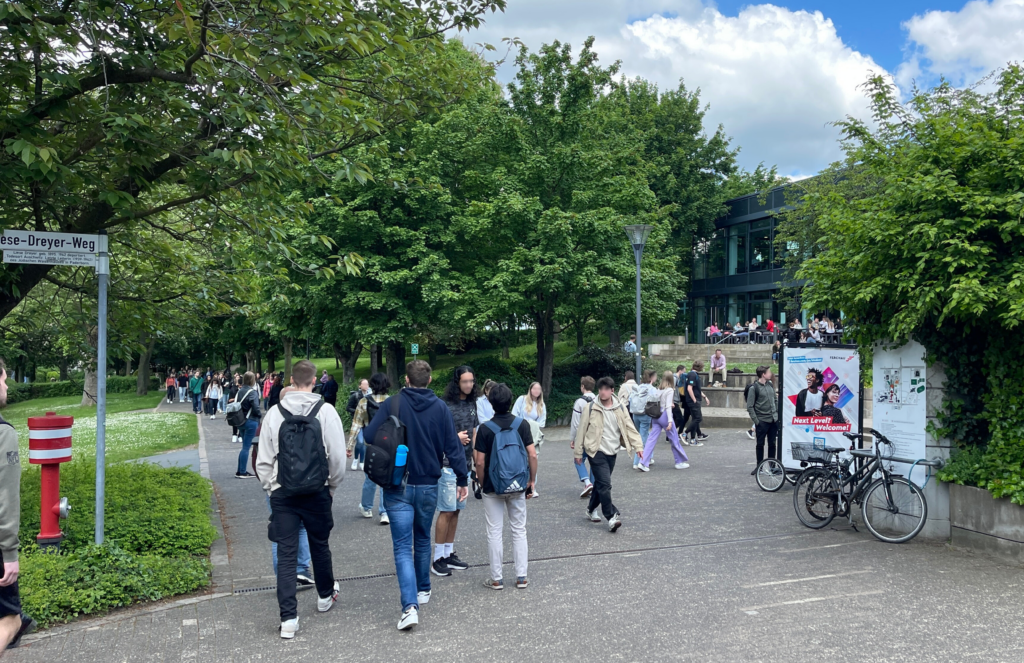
814 497
770 475
900 519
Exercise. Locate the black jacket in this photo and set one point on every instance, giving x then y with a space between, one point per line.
329 391
353 400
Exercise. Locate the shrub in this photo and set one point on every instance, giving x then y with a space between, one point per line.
58 588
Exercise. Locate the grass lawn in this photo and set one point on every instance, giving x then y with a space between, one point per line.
129 434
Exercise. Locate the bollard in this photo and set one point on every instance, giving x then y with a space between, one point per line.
49 445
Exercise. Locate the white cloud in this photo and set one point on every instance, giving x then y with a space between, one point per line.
963 45
774 78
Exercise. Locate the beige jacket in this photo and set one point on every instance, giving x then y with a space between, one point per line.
588 435
300 402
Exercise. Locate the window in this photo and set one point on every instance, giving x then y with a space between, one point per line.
716 256
737 308
700 257
738 249
760 306
760 245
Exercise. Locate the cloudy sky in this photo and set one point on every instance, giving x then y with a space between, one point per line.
776 75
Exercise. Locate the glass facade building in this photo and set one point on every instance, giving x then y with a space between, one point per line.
738 269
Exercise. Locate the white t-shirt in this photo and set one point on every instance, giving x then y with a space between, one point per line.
813 401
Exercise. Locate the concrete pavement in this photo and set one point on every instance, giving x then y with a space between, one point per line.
706 567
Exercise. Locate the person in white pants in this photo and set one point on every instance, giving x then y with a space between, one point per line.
513 504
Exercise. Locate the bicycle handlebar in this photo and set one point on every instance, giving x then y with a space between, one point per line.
869 453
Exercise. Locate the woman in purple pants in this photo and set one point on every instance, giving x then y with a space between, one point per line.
664 423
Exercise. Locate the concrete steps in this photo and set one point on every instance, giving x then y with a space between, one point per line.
688 353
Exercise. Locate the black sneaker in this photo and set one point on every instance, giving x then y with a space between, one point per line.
303 581
244 475
440 568
454 563
27 626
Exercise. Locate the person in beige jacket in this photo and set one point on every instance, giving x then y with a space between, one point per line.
312 510
605 427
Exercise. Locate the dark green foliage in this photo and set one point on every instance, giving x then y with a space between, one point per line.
116 384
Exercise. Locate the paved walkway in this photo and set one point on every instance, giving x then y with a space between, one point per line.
706 567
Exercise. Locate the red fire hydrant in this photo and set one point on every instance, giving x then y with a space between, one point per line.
49 445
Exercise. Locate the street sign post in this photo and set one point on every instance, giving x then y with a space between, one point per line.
32 247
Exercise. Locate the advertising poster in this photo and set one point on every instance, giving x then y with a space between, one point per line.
820 398
899 410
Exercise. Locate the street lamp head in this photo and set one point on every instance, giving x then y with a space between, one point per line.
638 234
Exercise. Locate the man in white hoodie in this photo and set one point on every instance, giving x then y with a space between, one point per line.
294 505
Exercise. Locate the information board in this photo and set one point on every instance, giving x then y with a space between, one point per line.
820 398
899 410
50 258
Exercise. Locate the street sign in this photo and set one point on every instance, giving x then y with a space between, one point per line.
33 247
415 349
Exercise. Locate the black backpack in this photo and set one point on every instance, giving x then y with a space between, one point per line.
746 390
301 457
371 408
379 462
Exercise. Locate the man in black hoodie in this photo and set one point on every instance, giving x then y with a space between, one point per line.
430 436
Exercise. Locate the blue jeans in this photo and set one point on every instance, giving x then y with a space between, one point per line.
643 425
581 470
360 451
223 404
411 510
197 403
248 432
304 559
369 489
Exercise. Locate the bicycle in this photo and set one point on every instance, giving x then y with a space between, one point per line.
894 508
771 475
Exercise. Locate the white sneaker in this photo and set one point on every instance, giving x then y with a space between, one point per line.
367 513
682 466
234 439
750 433
362 464
289 627
422 598
323 605
355 464
643 468
213 416
614 524
384 520
410 618
593 517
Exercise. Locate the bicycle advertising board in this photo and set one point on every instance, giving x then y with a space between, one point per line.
899 410
820 397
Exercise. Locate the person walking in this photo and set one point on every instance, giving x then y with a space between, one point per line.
232 394
297 497
460 397
511 503
693 401
680 413
582 403
530 407
644 393
171 385
430 436
366 410
14 623
195 389
275 390
213 394
627 386
353 399
267 385
329 391
666 390
183 386
484 410
249 397
605 427
353 403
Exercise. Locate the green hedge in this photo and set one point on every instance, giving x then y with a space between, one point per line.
116 384
158 535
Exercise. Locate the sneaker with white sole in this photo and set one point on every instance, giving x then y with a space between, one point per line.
366 513
234 439
614 524
325 604
410 618
423 598
302 581
454 563
362 465
289 627
750 433
384 520
643 468
682 466
494 584
440 568
592 516
521 582
355 464
587 489
696 443
702 437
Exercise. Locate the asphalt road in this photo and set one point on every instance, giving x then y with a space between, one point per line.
706 567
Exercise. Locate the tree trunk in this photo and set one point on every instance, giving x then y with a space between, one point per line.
545 349
614 335
250 362
259 362
391 363
348 355
89 388
142 383
128 365
63 368
579 333
432 355
229 356
374 358
287 362
272 357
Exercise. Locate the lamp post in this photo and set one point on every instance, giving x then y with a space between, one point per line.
638 235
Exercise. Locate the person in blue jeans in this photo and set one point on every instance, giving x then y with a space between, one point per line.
366 408
430 436
643 421
250 400
587 390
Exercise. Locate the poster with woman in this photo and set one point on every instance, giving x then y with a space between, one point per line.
820 398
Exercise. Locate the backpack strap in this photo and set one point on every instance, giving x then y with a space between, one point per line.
491 426
316 408
516 423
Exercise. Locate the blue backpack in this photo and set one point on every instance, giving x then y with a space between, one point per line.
510 469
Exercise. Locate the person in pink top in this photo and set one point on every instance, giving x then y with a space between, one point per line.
717 365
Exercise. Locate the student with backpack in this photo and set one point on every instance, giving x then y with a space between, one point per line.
301 462
195 391
587 389
693 398
638 400
605 427
659 411
365 411
762 407
245 419
460 397
424 425
506 462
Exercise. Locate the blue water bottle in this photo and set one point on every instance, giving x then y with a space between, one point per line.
400 460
